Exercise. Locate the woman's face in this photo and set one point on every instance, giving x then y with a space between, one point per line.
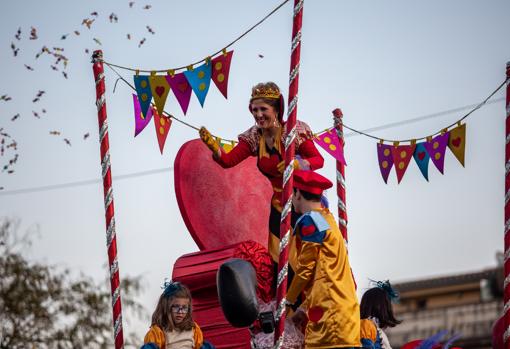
180 308
264 114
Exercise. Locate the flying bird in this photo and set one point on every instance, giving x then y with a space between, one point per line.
55 133
54 68
4 98
15 117
94 14
97 41
87 51
44 111
65 74
40 93
33 33
63 37
131 3
129 36
76 33
35 100
86 135
36 114
68 142
150 30
29 67
147 7
18 34
113 18
261 56
141 42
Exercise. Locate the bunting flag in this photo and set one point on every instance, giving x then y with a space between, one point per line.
220 71
181 89
436 147
402 154
162 127
143 90
421 156
159 89
140 120
385 160
200 78
457 142
330 142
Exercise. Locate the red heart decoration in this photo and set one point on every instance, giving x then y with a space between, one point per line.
456 141
183 86
421 155
221 206
315 314
160 90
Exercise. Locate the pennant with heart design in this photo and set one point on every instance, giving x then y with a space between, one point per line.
330 142
385 160
162 124
457 142
181 89
140 120
421 156
436 147
402 154
159 89
220 71
143 90
200 78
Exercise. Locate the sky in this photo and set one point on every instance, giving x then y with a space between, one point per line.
380 62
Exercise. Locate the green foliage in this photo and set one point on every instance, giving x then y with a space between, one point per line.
41 306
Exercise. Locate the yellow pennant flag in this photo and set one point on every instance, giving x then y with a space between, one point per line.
160 89
457 142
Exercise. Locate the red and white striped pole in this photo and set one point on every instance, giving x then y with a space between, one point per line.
287 183
111 240
506 286
340 176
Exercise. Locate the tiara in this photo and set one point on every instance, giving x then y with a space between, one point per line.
386 287
263 92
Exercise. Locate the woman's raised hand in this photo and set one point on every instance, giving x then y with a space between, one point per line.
209 140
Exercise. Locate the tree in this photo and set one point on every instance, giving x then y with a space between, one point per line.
42 306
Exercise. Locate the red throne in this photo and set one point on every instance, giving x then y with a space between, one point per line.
226 212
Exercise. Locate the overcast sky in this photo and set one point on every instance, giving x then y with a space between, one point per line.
380 61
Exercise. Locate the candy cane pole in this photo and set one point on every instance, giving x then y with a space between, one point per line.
506 286
287 183
111 240
340 176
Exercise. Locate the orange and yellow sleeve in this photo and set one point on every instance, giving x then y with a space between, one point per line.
156 336
198 336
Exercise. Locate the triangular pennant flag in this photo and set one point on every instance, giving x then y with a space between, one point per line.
402 154
181 89
162 127
436 148
159 89
200 78
140 120
220 71
143 89
457 142
385 160
330 142
421 156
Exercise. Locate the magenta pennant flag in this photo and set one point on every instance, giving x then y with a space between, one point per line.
385 157
181 89
436 147
330 142
140 120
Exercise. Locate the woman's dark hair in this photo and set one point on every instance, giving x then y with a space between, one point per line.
376 303
162 316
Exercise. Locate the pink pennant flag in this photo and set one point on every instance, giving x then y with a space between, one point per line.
220 71
181 89
140 120
330 142
385 160
402 154
436 147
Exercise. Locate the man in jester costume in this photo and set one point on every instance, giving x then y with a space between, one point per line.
323 272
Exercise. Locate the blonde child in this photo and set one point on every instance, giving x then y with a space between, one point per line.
172 324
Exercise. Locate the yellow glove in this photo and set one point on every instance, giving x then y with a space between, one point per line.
209 140
281 165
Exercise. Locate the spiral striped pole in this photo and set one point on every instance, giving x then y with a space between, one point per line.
287 183
340 176
506 286
111 240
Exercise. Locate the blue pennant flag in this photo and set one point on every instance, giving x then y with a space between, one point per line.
143 89
199 79
421 156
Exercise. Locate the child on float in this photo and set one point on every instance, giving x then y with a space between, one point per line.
172 325
377 314
323 273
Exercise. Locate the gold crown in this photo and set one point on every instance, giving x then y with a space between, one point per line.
265 93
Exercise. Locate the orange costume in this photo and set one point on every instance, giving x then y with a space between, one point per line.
192 339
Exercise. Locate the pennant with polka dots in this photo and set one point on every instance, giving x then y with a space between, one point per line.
140 120
385 160
457 142
436 147
181 89
402 154
143 90
330 142
162 124
200 78
159 89
220 70
421 156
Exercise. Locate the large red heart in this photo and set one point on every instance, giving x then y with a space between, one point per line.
456 141
220 206
160 90
421 155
